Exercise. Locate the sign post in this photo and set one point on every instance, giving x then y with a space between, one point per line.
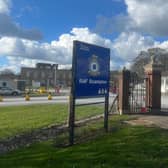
106 113
90 78
71 119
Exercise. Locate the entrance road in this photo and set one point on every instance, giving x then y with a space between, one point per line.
17 101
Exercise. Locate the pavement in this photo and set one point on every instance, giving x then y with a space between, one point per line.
150 120
154 120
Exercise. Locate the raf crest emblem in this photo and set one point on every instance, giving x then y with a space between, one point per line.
94 66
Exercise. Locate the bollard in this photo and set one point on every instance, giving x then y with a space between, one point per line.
1 99
49 96
27 97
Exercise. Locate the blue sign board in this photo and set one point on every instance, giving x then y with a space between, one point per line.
91 70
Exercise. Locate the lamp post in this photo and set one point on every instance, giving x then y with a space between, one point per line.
55 74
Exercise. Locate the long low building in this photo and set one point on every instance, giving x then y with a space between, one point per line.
47 75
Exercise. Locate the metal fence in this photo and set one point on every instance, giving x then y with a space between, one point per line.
137 94
164 102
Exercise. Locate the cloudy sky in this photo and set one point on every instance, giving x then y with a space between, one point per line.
43 30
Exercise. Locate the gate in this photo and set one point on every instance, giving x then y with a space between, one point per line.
137 94
164 104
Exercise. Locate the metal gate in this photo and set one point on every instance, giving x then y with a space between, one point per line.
164 104
137 94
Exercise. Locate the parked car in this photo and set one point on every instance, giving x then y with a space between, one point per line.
9 91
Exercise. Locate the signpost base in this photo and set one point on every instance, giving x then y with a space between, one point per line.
71 119
106 113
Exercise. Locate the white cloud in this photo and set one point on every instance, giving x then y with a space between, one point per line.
163 45
57 51
128 45
9 28
8 67
22 48
18 61
149 16
5 6
15 63
124 48
143 16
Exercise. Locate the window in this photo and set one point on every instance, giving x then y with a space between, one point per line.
4 84
162 81
42 74
35 75
166 81
69 76
64 76
28 74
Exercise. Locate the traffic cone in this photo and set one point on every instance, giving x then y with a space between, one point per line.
1 99
49 96
27 97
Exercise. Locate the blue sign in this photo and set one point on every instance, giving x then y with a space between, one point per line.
91 70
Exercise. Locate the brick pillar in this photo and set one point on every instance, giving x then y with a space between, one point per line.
123 92
153 87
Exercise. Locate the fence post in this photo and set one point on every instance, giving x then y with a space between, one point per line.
153 86
123 92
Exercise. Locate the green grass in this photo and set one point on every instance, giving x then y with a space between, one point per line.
124 147
20 119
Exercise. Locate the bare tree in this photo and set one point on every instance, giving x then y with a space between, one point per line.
158 56
7 72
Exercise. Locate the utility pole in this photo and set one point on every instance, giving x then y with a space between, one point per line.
55 74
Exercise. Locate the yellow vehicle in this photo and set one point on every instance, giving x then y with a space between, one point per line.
42 90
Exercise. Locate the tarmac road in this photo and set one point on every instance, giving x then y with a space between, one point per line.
17 101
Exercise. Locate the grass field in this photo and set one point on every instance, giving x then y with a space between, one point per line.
123 147
16 120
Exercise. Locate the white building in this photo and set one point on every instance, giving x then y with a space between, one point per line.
164 83
7 83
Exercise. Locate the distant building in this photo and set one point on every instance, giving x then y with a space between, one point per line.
49 75
64 77
46 75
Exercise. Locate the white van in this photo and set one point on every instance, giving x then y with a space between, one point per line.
4 90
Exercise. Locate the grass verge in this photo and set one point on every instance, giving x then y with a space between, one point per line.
21 119
123 147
